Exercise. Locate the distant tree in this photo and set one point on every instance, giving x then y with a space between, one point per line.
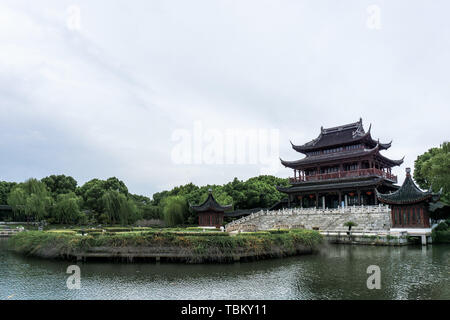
152 212
432 169
257 192
159 196
60 184
175 209
31 200
67 209
118 208
5 189
93 191
17 199
116 185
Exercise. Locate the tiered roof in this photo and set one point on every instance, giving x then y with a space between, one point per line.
408 193
339 136
336 185
342 155
211 204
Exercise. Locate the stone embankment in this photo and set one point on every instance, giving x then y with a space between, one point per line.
367 218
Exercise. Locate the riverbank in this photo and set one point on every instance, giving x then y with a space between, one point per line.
189 247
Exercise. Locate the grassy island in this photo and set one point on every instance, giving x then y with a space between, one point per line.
185 245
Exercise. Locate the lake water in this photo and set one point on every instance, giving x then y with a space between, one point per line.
336 272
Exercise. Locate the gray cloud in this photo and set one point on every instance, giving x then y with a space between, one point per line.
105 100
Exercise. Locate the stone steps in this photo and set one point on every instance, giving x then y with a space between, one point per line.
366 218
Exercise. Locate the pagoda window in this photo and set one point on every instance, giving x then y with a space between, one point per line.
353 147
327 151
350 167
329 169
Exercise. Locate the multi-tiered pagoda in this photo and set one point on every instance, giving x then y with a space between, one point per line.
343 166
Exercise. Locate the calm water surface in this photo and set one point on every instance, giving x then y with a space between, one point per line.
337 272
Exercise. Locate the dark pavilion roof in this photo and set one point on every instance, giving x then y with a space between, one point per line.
335 185
408 193
5 207
342 155
349 134
211 204
341 135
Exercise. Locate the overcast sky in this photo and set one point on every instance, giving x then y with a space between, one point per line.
95 89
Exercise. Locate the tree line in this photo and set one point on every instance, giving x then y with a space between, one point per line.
58 199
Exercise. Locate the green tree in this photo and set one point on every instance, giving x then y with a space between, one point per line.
17 199
175 209
93 191
30 200
67 209
60 184
257 192
432 169
118 208
5 189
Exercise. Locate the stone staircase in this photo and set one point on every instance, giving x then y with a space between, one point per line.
367 218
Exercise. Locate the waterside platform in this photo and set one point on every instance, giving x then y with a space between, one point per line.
6 233
392 237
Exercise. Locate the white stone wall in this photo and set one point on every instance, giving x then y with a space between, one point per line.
367 218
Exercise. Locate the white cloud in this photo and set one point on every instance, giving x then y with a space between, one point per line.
105 98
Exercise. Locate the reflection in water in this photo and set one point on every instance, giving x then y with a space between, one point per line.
336 272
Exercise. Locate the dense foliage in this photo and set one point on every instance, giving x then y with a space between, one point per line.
30 200
57 199
432 169
441 234
175 210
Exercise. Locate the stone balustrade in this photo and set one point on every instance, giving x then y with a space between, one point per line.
367 218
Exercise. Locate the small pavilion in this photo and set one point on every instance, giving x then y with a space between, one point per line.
410 206
210 213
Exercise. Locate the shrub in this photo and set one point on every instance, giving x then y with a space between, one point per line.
350 224
441 236
278 231
442 226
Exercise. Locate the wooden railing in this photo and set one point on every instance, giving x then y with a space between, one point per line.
346 174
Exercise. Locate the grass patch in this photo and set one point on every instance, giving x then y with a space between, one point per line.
195 246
